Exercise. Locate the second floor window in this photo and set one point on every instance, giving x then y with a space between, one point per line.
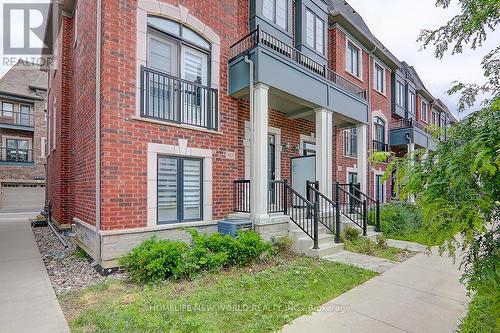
17 150
350 142
353 59
434 119
424 112
314 32
379 130
275 11
379 78
7 109
411 102
400 98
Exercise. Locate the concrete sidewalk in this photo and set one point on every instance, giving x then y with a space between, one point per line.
27 301
421 294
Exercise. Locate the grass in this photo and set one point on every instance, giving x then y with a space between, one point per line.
483 315
365 246
417 236
260 298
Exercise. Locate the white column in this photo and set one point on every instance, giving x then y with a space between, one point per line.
411 153
324 150
258 166
362 134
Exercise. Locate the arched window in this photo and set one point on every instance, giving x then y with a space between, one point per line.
379 124
177 50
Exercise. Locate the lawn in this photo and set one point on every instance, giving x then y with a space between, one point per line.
259 298
371 248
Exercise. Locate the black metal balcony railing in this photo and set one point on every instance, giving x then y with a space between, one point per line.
16 118
406 123
260 37
380 146
16 155
172 99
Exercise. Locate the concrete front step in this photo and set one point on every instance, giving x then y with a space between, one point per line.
372 235
324 250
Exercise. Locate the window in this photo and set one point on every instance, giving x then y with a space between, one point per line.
411 102
424 112
434 118
309 148
400 94
179 189
379 126
17 150
314 32
353 60
25 115
276 12
379 78
379 188
7 109
350 142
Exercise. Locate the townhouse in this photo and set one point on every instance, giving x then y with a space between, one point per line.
23 124
166 114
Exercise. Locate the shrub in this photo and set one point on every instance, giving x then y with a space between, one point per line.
480 317
154 260
282 244
399 219
382 242
369 247
350 234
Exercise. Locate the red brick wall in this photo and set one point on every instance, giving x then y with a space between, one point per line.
58 162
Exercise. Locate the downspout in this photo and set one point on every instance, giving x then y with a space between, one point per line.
98 134
252 176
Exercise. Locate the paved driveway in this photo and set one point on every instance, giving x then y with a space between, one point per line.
27 301
421 294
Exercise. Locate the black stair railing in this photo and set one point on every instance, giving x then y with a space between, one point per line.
326 209
351 206
241 196
304 214
276 197
372 204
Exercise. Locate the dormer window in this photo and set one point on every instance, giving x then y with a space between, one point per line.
276 12
315 32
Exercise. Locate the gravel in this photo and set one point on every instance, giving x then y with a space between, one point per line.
67 271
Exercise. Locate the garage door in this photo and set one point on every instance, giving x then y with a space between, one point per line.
22 196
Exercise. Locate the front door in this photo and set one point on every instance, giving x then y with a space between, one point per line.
352 179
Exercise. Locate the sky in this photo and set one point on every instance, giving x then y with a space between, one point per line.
397 24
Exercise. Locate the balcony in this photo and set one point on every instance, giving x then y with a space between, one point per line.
174 100
296 81
403 130
380 146
16 156
17 120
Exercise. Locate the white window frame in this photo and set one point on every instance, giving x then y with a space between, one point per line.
3 112
348 135
425 118
316 22
375 79
360 58
274 18
412 102
400 95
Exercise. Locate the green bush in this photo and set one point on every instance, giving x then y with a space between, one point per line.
350 234
155 259
400 219
482 314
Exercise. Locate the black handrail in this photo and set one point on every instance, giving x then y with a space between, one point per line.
380 146
260 37
304 214
352 207
169 98
276 197
373 205
326 209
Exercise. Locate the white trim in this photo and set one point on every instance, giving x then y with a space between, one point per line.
360 58
384 194
384 83
180 14
182 149
379 114
306 138
351 170
43 147
422 102
246 144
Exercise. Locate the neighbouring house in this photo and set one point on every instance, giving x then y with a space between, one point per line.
151 127
23 124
